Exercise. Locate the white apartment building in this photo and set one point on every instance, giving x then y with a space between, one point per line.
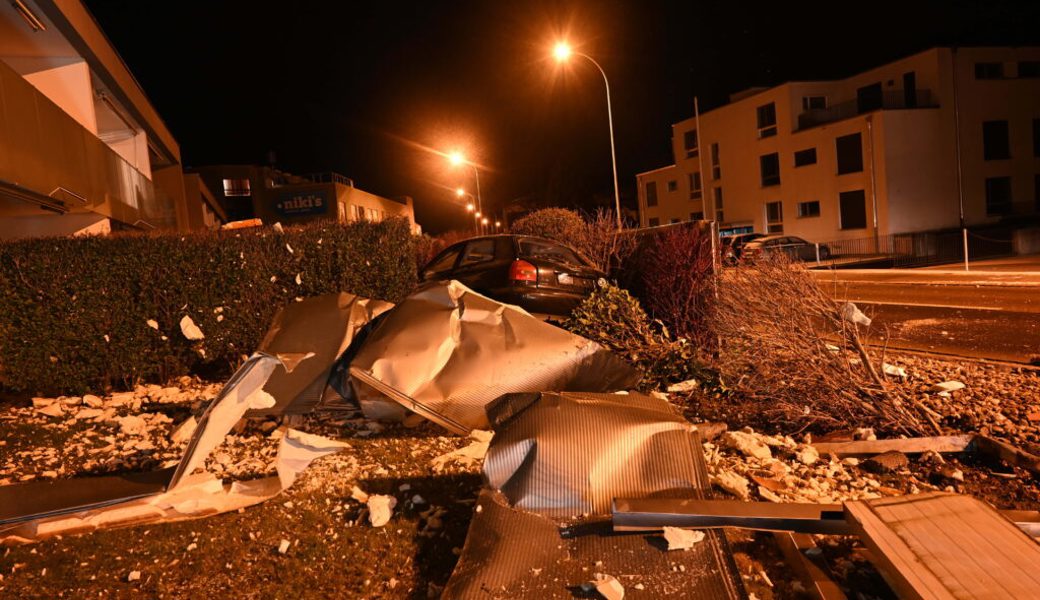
82 149
899 148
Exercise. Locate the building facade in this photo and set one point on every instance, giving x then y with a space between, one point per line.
82 150
900 148
274 196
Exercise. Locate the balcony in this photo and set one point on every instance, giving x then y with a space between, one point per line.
51 162
889 101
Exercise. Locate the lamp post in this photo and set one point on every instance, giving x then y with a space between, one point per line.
457 159
470 207
562 52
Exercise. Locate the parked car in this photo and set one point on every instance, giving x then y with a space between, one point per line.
794 247
733 246
537 274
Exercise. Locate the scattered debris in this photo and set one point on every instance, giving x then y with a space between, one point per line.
886 462
894 371
190 329
606 585
283 546
380 509
851 313
133 576
682 539
683 387
747 444
466 456
947 386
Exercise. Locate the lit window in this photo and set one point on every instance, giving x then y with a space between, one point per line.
237 187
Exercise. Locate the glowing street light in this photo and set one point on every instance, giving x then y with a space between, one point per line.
498 224
562 52
484 221
460 192
457 159
469 207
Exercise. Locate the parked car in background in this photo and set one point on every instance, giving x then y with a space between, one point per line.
536 274
733 246
794 247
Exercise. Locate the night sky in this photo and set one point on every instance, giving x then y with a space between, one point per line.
367 88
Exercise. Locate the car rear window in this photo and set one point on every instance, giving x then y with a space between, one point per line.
549 251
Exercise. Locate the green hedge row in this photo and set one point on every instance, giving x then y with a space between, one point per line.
75 312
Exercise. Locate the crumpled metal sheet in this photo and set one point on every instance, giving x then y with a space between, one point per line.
308 337
542 525
446 351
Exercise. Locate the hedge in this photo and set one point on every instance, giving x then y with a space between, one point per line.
75 312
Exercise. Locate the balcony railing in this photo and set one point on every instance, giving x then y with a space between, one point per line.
844 110
329 177
43 151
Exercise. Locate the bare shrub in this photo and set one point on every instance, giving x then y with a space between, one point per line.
601 242
791 348
678 282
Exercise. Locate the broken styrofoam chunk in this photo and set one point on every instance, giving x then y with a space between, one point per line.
190 329
92 401
417 499
607 586
299 280
51 410
681 388
153 324
184 431
746 443
278 227
289 248
481 435
682 539
467 456
851 313
893 370
133 576
832 348
732 483
358 494
380 509
947 386
132 425
807 455
283 546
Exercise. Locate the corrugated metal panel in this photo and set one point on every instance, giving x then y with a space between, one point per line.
554 455
446 352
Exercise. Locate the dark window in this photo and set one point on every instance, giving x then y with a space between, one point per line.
814 102
774 217
718 198
850 153
989 70
696 216
695 185
654 221
995 144
716 168
1036 193
651 193
805 157
675 220
672 186
690 143
767 120
853 209
444 262
478 251
869 98
1036 137
809 209
770 168
998 196
910 90
1029 68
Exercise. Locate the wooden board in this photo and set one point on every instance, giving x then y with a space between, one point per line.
947 546
946 443
817 584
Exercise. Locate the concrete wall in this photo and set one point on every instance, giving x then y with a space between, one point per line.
51 225
65 81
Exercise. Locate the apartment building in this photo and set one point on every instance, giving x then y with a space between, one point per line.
82 150
272 195
900 148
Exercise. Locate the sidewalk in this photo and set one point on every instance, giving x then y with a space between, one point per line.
934 276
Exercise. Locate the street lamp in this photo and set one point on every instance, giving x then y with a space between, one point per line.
457 159
562 52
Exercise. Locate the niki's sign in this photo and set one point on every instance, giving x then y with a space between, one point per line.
299 204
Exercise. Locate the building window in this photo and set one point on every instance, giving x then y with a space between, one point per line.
1029 69
695 185
910 90
995 144
674 221
869 97
237 187
716 168
654 221
673 185
718 205
774 217
989 70
850 153
998 196
699 216
853 209
690 143
808 209
359 213
769 165
1036 193
767 120
805 157
651 193
1036 137
814 102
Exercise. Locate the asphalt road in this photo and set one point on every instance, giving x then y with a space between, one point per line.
976 315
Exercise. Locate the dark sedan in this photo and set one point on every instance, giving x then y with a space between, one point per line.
539 275
794 247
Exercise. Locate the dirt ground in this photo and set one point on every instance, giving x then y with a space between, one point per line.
335 552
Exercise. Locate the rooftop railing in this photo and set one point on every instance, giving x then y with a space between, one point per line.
843 110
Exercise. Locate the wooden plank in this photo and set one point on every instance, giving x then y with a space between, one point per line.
943 546
817 584
1007 453
946 443
650 514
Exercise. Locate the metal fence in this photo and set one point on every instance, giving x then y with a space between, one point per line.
920 249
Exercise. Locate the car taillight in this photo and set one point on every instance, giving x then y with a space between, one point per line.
521 270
